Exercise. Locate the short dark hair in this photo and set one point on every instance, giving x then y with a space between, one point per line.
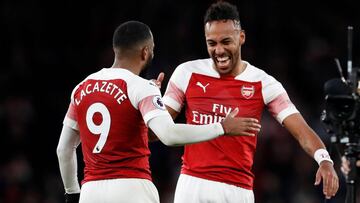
130 34
221 10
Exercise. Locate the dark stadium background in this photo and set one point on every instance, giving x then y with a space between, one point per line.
48 47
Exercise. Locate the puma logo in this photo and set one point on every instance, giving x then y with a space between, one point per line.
202 86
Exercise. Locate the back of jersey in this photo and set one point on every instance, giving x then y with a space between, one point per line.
112 131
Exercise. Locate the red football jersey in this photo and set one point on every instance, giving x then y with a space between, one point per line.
110 108
208 98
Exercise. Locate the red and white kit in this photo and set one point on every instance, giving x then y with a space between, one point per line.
208 97
110 109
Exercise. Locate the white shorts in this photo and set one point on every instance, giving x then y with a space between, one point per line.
122 190
198 190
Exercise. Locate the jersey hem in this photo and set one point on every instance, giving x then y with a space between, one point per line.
217 180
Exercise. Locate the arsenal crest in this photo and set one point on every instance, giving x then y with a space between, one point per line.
247 91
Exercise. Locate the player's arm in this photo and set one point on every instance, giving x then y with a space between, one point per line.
313 145
151 134
66 153
179 134
172 112
152 137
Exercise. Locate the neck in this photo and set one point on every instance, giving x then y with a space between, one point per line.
241 68
128 65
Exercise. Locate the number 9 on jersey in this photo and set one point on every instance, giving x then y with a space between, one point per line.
103 128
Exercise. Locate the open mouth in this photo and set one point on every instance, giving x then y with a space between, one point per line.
222 61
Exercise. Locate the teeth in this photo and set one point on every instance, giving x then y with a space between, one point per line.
222 59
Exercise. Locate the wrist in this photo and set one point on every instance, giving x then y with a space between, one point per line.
321 155
223 127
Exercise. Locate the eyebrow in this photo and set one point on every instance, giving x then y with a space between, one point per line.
225 39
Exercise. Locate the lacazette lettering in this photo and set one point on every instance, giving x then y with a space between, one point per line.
104 87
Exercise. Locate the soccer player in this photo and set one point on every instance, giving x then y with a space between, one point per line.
109 114
220 170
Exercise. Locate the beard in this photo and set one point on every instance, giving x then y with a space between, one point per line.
146 67
148 63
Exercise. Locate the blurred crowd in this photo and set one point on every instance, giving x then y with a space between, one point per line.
47 48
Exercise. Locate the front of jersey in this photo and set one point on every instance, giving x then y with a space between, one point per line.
110 109
208 98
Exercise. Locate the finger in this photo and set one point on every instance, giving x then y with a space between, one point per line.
317 178
326 186
332 187
160 77
250 120
358 163
244 133
254 129
248 134
255 125
233 113
335 186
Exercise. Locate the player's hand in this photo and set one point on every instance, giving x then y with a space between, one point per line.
72 198
159 80
327 174
345 165
240 126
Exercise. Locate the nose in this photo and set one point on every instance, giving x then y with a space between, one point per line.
219 50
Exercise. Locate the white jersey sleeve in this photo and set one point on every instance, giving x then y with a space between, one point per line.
145 96
70 119
277 99
175 91
172 134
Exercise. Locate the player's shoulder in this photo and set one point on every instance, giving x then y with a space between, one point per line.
200 66
196 63
252 69
114 74
118 74
253 74
82 82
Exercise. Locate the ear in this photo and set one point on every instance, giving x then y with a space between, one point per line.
242 37
145 51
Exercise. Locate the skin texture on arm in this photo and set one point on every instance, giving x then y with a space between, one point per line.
172 112
306 137
310 142
152 136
